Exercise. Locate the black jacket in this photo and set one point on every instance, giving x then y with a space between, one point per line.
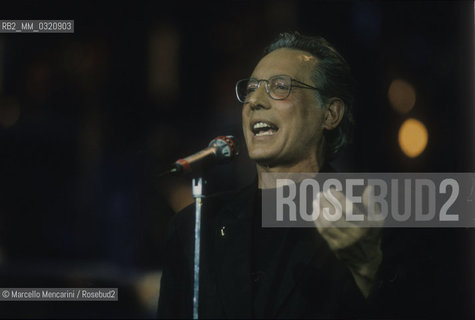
305 279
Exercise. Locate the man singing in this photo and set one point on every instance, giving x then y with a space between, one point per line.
296 117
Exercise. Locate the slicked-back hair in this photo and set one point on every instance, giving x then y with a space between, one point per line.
332 77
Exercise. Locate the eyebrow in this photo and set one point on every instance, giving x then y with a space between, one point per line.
275 75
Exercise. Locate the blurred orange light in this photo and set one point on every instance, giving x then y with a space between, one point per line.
401 95
413 137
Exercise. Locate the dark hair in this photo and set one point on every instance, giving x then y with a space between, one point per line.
332 76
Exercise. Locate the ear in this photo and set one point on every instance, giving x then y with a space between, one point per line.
333 113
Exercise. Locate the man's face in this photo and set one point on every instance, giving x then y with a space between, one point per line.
297 120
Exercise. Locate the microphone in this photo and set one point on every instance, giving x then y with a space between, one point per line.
221 149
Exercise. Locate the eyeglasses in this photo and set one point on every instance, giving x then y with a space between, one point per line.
277 87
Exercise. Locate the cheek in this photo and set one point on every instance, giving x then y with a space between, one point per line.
245 125
304 111
301 119
313 115
243 117
309 126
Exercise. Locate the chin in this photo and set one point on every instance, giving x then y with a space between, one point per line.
263 160
258 158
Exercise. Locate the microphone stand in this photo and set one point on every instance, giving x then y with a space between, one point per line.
197 187
220 149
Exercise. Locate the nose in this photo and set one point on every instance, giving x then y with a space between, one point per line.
259 98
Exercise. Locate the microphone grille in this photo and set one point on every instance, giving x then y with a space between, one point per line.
227 148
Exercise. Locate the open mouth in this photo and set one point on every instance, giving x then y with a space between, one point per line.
263 128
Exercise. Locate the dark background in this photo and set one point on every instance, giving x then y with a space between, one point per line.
88 120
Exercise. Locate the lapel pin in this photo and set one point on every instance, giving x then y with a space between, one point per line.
222 231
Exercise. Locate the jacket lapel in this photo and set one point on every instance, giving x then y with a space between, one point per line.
299 247
233 253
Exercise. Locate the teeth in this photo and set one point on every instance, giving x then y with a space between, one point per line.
265 133
261 124
263 129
